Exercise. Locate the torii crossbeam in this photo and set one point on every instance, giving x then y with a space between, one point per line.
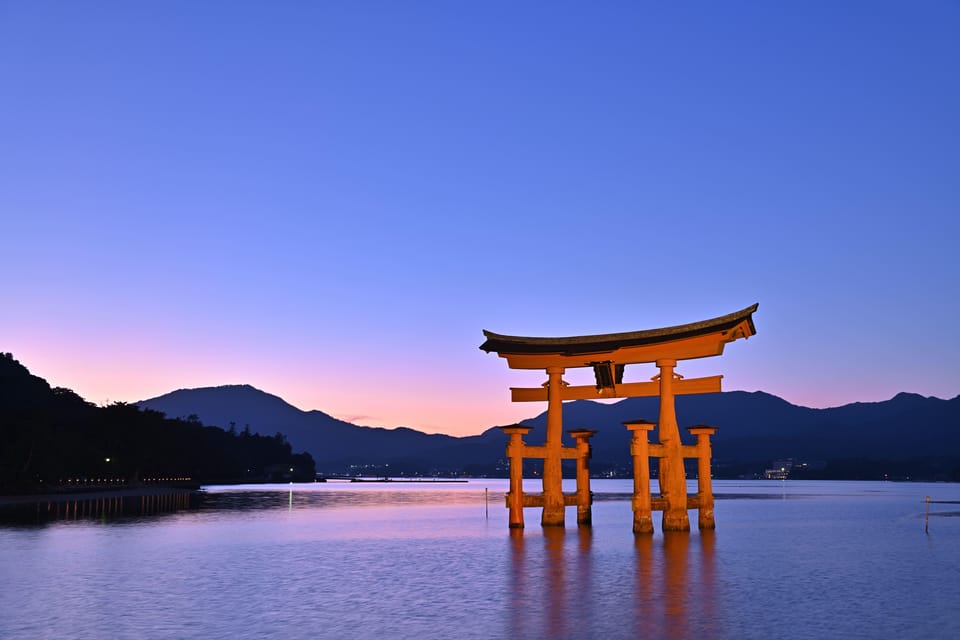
608 355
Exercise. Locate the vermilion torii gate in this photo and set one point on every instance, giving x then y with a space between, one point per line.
607 355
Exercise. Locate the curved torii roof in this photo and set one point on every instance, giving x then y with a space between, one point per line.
681 342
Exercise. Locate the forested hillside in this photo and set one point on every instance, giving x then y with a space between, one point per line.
52 438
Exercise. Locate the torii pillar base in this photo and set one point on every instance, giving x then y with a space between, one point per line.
674 520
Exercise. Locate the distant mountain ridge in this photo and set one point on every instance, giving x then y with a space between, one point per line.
756 426
754 429
329 440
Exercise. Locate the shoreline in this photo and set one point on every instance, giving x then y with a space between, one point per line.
92 494
70 494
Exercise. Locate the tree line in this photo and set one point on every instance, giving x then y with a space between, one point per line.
51 438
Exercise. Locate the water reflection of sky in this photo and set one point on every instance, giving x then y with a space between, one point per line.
485 494
302 561
492 491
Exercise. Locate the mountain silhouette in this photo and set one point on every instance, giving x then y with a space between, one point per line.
758 427
755 428
331 441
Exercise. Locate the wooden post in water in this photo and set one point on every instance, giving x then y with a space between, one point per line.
926 526
515 449
705 519
671 476
584 497
640 450
553 501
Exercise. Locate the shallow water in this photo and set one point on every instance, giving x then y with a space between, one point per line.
811 559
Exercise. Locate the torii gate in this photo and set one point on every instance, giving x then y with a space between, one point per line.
607 355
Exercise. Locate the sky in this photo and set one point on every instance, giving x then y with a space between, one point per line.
331 200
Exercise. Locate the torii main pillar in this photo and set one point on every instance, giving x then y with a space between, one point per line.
608 355
673 480
553 505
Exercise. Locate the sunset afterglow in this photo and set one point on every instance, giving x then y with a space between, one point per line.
331 202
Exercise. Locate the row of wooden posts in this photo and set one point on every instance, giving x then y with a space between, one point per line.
73 506
641 450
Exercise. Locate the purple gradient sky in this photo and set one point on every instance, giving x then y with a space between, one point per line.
329 201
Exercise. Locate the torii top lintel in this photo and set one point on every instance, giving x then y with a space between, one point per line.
682 342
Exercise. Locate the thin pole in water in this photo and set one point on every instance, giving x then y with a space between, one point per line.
486 501
926 526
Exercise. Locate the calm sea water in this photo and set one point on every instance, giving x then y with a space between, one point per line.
801 559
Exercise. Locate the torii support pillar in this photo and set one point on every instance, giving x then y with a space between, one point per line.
672 479
553 502
640 451
515 449
705 518
584 496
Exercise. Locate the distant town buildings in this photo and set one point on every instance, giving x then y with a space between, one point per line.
781 469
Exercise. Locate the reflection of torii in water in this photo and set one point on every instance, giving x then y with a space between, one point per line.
607 355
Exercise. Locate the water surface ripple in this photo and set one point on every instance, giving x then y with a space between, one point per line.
806 559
